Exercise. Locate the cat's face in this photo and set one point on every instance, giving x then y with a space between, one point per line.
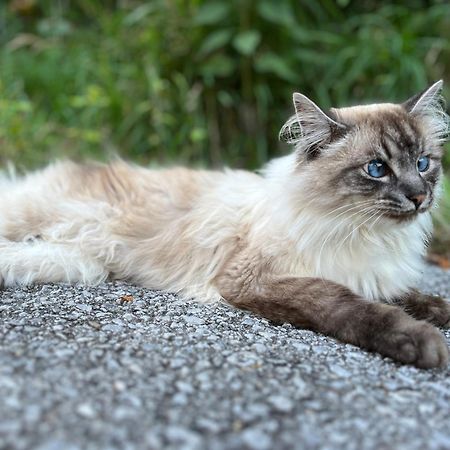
379 160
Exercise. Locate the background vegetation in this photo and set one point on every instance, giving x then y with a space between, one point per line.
204 82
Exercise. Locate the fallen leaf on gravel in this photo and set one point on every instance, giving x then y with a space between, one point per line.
126 298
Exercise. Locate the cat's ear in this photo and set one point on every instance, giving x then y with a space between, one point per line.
425 101
310 128
429 107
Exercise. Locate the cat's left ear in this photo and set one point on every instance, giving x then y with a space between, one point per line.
426 101
310 129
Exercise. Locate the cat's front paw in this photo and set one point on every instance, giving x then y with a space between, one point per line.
431 308
415 342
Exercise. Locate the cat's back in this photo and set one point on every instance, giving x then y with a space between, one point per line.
123 184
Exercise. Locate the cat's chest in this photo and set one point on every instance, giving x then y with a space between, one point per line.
379 266
373 272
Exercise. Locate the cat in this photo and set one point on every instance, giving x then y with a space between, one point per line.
331 237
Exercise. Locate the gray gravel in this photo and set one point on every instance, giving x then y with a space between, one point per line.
83 368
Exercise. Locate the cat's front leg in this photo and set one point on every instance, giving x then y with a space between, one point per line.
431 308
334 310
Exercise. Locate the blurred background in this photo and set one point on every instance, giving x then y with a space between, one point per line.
204 82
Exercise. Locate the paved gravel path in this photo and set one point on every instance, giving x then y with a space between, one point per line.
118 366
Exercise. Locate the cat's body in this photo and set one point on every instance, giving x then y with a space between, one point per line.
260 242
177 229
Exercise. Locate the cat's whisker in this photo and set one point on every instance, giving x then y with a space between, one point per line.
355 204
360 203
356 228
364 211
381 214
338 225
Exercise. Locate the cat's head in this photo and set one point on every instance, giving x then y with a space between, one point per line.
382 157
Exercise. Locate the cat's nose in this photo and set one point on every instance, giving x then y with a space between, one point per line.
417 199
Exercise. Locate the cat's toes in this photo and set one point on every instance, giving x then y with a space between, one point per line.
421 345
431 308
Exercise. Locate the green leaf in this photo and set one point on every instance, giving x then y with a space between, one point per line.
247 41
138 14
198 134
276 12
211 13
218 66
272 63
214 41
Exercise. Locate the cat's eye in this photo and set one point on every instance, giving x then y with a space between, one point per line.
376 168
423 163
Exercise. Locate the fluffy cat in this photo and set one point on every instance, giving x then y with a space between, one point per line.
330 237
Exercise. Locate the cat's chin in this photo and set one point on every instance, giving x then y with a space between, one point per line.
404 217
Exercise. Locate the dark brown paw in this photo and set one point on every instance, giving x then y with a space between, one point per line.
431 308
415 342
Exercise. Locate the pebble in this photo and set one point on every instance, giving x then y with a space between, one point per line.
193 320
281 403
256 439
86 410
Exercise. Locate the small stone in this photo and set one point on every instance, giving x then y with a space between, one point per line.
86 410
183 437
300 347
193 320
256 439
119 386
84 307
281 403
113 328
340 371
94 324
176 363
259 348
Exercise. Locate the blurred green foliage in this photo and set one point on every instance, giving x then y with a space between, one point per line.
204 82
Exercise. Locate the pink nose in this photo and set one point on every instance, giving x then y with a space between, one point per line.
418 199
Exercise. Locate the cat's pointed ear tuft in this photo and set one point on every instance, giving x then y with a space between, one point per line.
425 100
310 129
429 107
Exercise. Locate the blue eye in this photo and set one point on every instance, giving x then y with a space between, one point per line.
423 163
377 168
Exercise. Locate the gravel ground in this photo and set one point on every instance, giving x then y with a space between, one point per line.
118 366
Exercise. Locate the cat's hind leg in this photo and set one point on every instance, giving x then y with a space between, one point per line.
39 261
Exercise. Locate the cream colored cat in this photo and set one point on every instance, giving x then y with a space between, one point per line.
322 239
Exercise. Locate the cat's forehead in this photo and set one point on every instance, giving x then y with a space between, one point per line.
384 124
382 116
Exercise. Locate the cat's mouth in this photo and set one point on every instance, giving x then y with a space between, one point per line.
404 216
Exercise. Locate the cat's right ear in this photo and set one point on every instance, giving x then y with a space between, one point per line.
310 129
429 105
